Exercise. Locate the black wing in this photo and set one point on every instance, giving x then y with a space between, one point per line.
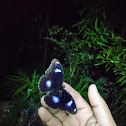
53 77
62 100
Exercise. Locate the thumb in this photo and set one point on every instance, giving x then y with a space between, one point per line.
100 108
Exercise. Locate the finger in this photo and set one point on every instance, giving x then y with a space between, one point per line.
91 121
79 100
48 118
61 115
100 108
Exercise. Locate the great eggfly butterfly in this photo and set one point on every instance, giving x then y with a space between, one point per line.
51 83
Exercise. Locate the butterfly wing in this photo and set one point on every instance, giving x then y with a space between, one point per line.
53 77
62 100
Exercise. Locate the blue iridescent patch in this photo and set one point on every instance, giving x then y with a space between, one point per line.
69 104
55 99
48 83
51 83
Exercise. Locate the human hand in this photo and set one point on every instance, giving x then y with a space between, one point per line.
98 114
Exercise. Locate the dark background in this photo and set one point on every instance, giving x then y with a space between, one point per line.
18 45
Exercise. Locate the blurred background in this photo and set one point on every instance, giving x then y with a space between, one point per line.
32 33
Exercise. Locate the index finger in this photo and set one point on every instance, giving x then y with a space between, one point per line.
79 100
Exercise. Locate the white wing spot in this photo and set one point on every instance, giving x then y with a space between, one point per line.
57 62
58 70
69 104
48 83
55 99
75 110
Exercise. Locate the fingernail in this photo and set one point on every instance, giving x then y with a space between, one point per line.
95 88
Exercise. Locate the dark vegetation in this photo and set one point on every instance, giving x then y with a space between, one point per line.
92 50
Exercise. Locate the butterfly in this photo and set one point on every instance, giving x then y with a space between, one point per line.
56 96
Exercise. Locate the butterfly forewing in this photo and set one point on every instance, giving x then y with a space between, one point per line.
53 77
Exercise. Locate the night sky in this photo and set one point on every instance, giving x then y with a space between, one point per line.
17 21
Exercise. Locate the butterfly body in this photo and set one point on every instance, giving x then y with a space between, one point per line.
51 83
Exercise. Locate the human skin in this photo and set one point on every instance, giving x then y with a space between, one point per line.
95 114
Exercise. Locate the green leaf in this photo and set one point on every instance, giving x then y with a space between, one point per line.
29 92
82 89
84 94
124 56
21 78
123 72
100 43
121 79
112 61
108 69
99 63
108 52
85 35
112 34
103 39
123 50
82 11
95 38
33 79
123 82
78 87
100 57
83 27
89 44
20 89
96 24
120 54
80 45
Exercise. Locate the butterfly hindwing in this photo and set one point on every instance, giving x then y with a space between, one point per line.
62 100
53 77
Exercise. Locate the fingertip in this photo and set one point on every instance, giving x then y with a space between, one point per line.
43 102
41 109
44 114
93 87
94 96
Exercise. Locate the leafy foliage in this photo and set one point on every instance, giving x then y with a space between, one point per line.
26 86
108 49
26 99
